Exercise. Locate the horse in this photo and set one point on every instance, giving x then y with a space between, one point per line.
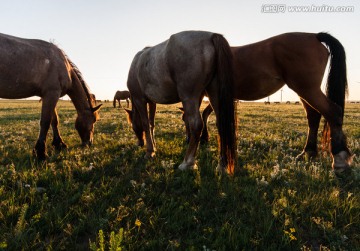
31 67
299 61
182 69
121 95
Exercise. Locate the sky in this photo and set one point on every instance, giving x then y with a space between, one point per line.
102 36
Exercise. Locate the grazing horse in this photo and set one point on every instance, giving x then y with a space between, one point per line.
298 60
182 69
30 67
121 95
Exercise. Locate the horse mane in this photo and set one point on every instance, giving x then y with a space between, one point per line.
81 79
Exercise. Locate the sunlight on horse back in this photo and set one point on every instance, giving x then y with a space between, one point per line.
182 69
31 67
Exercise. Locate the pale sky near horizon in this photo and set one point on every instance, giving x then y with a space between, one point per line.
102 37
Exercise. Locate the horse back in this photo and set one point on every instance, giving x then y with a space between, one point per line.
264 67
29 67
176 67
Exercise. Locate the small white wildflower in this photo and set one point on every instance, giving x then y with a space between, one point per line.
133 183
277 172
143 185
262 182
27 185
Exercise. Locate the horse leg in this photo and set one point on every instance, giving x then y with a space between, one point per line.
310 150
152 111
141 107
193 118
333 114
128 103
120 103
57 142
187 128
214 101
205 116
47 110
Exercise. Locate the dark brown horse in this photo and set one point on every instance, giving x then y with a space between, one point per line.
30 67
121 95
182 69
299 61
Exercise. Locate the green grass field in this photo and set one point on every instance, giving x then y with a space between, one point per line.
108 197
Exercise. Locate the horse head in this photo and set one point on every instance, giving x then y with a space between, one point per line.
135 121
84 124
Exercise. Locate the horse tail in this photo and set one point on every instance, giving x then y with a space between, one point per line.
227 114
336 86
114 102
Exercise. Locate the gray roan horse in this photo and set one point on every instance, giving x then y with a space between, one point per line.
299 61
121 95
31 67
182 69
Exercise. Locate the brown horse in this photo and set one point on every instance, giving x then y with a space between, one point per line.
182 69
121 95
298 60
30 67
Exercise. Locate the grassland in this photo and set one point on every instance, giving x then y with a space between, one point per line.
108 196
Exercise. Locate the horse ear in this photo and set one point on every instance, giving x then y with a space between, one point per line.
129 115
94 109
129 112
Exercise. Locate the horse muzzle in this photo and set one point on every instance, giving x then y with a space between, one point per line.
87 143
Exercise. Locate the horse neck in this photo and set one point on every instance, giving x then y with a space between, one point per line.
78 97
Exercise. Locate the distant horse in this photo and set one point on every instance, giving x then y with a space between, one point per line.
121 95
298 60
183 68
30 67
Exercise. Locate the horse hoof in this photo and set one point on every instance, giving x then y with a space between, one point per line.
41 156
306 155
221 169
149 155
342 161
185 166
60 146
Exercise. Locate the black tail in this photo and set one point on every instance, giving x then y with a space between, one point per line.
336 86
227 115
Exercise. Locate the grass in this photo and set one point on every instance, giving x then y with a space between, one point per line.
108 196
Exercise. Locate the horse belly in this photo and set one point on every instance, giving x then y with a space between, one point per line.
20 81
161 92
254 89
14 88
